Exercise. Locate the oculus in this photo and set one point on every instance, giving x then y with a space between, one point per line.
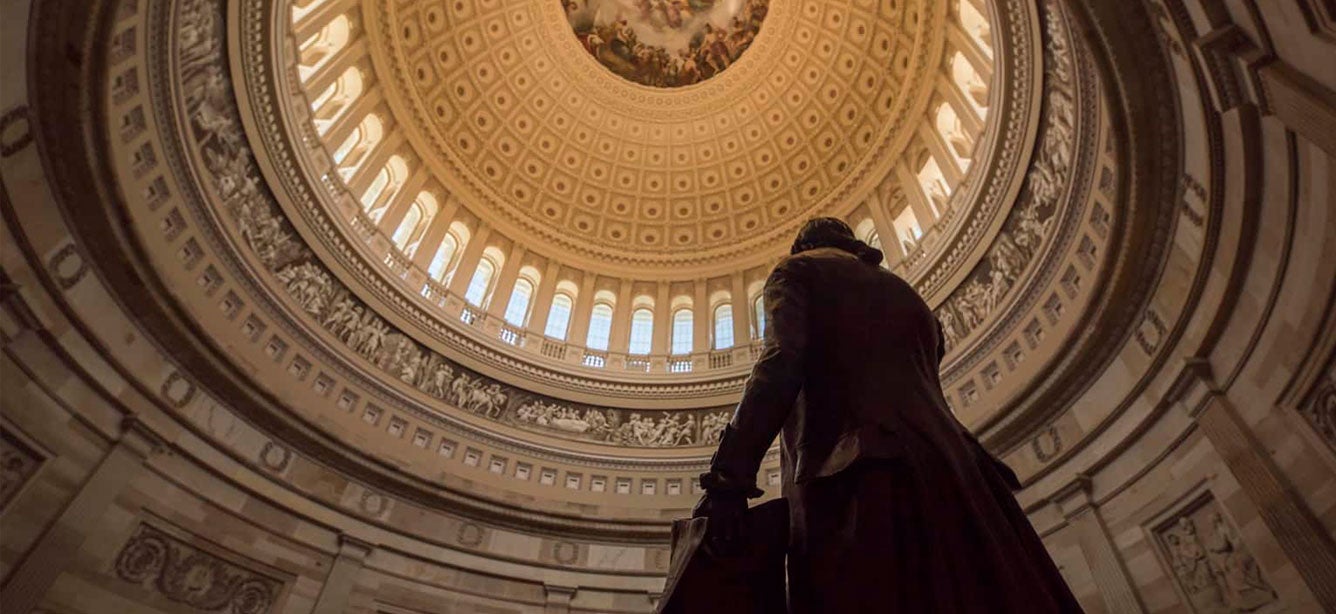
666 43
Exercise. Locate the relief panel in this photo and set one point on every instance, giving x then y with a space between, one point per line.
1211 566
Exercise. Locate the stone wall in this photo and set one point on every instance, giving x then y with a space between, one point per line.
1192 469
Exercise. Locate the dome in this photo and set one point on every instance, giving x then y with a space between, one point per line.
580 190
454 299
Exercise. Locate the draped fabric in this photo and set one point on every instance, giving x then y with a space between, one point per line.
895 507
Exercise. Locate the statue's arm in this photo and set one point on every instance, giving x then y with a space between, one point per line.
770 393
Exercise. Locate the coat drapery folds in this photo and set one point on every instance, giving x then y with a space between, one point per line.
894 506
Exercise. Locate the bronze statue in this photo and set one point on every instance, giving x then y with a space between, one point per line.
894 506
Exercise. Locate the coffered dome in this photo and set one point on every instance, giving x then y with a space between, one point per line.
508 183
517 121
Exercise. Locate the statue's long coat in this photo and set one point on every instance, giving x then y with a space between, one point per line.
894 506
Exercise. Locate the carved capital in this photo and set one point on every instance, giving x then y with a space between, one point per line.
354 548
1074 497
1194 387
139 438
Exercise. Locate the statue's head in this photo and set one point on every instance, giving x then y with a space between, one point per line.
833 232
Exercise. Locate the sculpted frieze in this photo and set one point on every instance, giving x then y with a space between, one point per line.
1032 219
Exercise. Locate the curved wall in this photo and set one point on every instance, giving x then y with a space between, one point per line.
1159 373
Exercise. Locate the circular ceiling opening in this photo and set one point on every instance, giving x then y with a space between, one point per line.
666 43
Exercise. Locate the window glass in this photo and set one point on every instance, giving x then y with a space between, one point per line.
377 188
683 330
407 226
517 312
642 331
441 261
482 280
723 327
600 325
559 317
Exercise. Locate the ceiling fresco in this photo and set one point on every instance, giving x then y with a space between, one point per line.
666 43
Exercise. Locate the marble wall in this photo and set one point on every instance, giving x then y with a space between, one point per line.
1197 474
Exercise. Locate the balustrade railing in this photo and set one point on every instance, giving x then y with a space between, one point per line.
555 350
469 316
511 335
398 263
721 360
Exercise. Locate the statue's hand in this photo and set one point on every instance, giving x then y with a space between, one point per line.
726 513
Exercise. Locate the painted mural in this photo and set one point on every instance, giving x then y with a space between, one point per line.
666 43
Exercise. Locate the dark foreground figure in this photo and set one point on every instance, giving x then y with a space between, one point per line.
894 506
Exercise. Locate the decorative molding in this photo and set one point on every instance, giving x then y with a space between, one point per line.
470 534
67 266
15 131
186 574
178 390
1047 445
275 457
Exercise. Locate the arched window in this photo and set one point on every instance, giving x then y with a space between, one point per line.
324 98
758 308
723 327
600 327
378 185
440 263
559 316
336 99
346 148
953 132
354 150
481 282
642 331
517 311
320 47
302 8
683 331
934 185
976 25
411 228
909 230
407 226
969 81
382 191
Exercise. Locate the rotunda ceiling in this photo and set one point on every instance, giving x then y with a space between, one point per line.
552 147
285 244
474 180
